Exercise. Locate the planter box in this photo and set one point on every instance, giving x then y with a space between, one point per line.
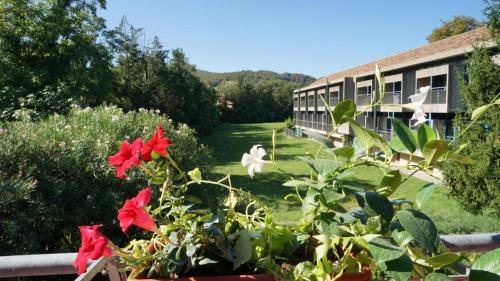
346 277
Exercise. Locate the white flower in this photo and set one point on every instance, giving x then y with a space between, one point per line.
114 118
254 160
419 98
419 116
417 101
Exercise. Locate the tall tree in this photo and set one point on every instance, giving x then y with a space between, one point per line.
475 186
455 26
148 76
52 56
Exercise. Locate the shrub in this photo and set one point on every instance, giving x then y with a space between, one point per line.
289 123
54 174
475 186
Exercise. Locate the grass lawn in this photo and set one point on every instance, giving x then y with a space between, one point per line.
230 141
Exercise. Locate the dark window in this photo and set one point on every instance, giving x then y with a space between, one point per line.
438 81
389 87
397 86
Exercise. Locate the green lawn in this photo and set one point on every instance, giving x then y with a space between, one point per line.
230 141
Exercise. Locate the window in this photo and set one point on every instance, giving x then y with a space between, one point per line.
438 81
397 86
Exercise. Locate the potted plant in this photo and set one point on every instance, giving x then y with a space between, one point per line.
186 238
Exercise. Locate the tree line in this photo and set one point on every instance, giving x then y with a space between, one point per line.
56 54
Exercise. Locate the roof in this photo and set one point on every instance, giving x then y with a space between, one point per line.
459 43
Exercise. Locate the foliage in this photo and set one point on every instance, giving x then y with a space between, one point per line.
148 76
455 26
50 166
289 123
244 101
52 56
475 186
215 79
391 238
492 12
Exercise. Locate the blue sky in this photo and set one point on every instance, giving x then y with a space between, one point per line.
305 36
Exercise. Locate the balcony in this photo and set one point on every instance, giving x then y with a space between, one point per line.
392 98
436 95
363 99
310 105
333 101
302 105
391 101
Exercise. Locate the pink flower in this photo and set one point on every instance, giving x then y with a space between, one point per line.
133 212
127 157
158 144
94 245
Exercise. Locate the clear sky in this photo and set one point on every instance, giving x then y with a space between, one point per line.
305 36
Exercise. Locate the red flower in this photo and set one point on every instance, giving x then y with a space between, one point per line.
158 144
133 212
127 157
94 245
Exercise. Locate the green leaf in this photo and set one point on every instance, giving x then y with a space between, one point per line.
403 238
443 260
425 194
399 269
330 229
309 203
455 157
381 143
195 175
397 145
321 139
323 166
382 250
332 196
421 228
344 108
296 183
389 183
437 277
243 249
425 134
374 224
405 135
479 112
435 150
345 152
364 138
487 267
375 205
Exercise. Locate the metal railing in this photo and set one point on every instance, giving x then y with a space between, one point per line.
58 264
310 105
61 264
364 99
436 96
392 98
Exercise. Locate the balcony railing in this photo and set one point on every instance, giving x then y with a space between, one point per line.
333 101
436 96
310 104
61 264
364 99
392 98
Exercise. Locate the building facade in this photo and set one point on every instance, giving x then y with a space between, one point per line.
439 65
